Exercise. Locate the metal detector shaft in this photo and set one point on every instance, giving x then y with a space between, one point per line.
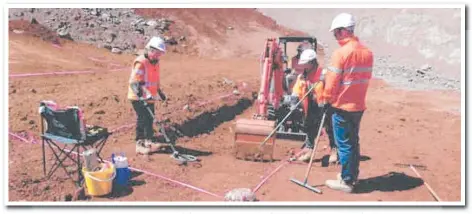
285 118
175 154
161 128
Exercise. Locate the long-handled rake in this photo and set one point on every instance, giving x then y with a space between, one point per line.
305 182
175 154
287 116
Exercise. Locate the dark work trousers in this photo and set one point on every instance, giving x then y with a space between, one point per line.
144 120
313 122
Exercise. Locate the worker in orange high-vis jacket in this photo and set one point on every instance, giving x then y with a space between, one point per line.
314 78
143 90
346 82
308 77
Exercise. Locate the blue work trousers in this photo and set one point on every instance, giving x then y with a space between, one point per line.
346 135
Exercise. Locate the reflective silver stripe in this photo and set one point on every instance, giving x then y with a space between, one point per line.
358 69
140 72
354 82
336 70
145 72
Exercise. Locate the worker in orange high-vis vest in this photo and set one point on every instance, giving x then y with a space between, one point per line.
310 76
143 90
346 82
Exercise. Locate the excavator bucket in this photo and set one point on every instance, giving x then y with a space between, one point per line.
249 136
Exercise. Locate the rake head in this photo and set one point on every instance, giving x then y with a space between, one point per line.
304 184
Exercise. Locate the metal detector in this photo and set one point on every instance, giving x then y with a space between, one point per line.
175 154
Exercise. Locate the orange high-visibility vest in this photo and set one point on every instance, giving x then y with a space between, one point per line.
301 87
348 76
144 71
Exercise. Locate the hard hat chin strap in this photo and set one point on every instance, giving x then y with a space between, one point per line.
152 61
314 62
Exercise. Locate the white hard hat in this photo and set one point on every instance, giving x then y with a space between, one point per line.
157 43
342 20
307 56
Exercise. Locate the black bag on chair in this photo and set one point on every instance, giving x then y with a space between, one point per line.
66 127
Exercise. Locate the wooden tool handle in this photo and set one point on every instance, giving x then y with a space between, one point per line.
436 197
316 145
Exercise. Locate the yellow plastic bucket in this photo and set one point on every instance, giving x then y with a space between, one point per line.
100 182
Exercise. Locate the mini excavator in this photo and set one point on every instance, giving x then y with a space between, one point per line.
276 115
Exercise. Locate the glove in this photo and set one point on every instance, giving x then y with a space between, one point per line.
293 102
293 108
162 95
324 105
143 100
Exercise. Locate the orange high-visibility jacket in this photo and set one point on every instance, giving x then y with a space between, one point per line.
301 86
147 73
347 78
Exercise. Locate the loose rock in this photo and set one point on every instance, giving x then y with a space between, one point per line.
116 50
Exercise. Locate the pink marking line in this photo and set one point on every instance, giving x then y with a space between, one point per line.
115 65
214 99
273 172
56 46
119 69
177 182
96 59
165 178
31 138
244 85
199 104
70 72
51 73
61 73
145 172
18 137
119 128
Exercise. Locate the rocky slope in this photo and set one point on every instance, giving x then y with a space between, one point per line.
127 30
414 48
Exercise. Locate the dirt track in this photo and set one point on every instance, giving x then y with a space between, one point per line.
399 127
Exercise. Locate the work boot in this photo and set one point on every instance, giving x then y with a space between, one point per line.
305 157
154 147
339 184
141 148
333 157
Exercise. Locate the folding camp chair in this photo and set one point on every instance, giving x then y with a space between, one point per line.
66 133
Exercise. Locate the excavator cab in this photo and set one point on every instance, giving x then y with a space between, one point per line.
291 67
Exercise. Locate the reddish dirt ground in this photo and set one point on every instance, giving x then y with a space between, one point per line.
400 127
